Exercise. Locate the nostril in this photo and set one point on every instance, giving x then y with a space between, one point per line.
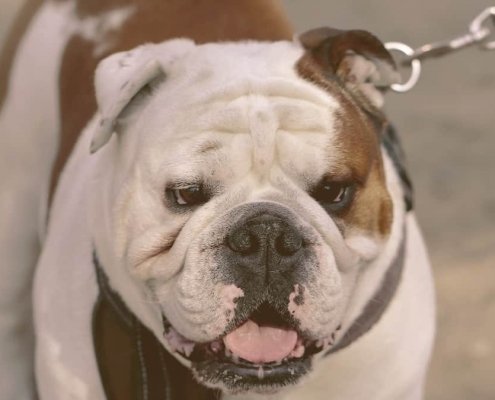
288 243
243 241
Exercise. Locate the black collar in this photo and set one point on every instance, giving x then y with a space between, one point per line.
391 142
377 305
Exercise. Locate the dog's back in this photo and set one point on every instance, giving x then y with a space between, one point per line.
46 99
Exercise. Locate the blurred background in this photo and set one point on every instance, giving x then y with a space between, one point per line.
447 124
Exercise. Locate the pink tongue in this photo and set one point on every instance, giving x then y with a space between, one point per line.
260 344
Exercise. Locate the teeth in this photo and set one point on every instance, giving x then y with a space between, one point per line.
179 343
234 357
298 351
322 343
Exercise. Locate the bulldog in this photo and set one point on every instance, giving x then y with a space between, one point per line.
235 220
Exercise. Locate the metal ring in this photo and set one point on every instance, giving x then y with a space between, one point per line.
415 67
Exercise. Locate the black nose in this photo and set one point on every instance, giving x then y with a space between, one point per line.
265 237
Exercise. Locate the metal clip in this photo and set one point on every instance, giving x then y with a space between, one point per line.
478 34
478 27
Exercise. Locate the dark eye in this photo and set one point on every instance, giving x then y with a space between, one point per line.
188 196
333 195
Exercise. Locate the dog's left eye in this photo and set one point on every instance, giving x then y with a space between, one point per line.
333 195
189 196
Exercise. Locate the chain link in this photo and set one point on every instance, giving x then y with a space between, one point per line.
481 29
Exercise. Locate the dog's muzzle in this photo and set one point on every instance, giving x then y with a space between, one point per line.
266 252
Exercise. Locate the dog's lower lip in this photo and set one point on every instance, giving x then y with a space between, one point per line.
239 377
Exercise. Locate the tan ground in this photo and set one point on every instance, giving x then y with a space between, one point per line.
447 124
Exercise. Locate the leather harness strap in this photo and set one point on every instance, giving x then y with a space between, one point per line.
391 142
377 305
133 364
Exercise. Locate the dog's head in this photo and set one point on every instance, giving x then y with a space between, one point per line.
245 210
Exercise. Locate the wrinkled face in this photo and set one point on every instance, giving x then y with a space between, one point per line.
248 201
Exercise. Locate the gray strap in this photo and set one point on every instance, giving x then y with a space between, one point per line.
377 305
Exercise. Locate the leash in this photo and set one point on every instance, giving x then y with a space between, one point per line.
481 33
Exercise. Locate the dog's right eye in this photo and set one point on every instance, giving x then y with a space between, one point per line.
333 196
188 196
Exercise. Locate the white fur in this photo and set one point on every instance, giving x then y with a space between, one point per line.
98 29
66 324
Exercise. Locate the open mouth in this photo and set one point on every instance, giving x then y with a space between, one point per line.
264 352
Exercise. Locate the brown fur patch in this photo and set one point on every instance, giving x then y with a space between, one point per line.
155 21
359 157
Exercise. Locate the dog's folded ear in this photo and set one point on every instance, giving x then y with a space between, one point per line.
119 80
356 57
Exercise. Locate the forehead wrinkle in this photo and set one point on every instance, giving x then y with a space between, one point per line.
263 127
299 105
271 86
303 116
207 146
219 117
